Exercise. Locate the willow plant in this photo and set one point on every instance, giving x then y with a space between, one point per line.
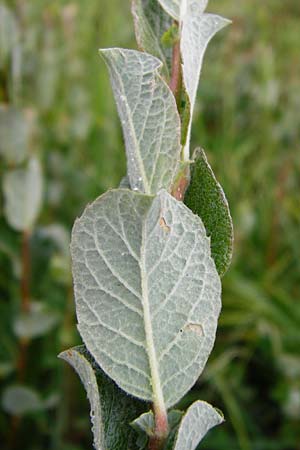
148 256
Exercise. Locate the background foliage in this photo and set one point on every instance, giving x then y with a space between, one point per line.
247 119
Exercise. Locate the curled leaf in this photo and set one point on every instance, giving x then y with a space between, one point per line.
111 409
198 28
197 421
150 121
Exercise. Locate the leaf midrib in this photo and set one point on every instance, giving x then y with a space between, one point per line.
136 148
158 398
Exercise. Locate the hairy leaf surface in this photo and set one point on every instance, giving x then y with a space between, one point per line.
149 117
198 29
146 423
147 292
206 198
178 8
197 421
23 190
111 409
172 7
150 24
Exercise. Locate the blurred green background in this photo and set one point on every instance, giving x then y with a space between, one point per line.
56 104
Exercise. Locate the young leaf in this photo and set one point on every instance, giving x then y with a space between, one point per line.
146 422
151 22
23 189
173 7
178 8
111 409
205 197
197 421
149 116
147 292
145 426
197 30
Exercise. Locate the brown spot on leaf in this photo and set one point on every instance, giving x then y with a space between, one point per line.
163 225
195 328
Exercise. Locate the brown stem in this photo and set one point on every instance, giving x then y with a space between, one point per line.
161 431
23 343
175 85
25 279
25 300
176 77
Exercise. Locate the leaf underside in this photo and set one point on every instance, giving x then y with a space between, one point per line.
197 421
146 421
198 28
172 7
111 409
147 292
206 198
149 117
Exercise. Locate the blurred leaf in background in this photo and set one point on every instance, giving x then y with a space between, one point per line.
56 106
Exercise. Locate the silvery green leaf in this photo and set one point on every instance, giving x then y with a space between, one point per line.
145 422
37 322
86 373
19 400
111 409
150 23
148 112
177 8
14 134
172 7
198 29
206 198
147 292
197 421
23 190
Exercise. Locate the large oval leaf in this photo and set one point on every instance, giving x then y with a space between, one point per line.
150 121
147 292
111 409
206 198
